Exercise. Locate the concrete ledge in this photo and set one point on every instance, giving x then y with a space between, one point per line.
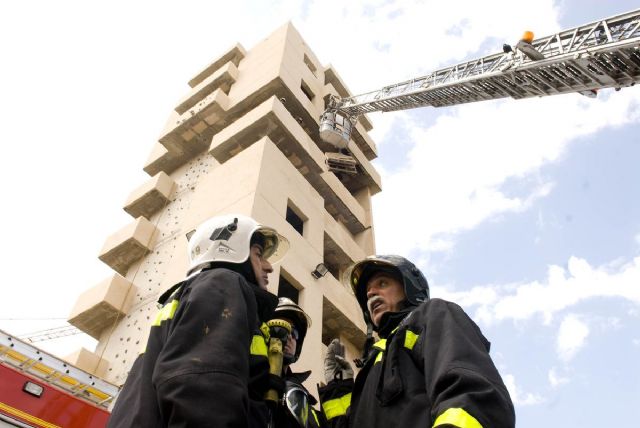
221 79
192 131
341 204
102 305
89 362
269 119
364 141
341 314
149 198
340 246
368 176
128 245
234 55
160 159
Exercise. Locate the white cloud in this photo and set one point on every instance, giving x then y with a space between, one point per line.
457 167
555 379
636 342
563 288
572 336
518 397
400 40
612 323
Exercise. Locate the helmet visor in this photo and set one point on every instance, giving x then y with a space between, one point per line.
354 275
275 245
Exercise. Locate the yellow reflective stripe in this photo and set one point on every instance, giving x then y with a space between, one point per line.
264 328
337 406
258 346
315 416
410 339
166 313
26 416
458 418
381 344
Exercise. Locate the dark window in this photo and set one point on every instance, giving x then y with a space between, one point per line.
285 289
294 220
307 90
309 63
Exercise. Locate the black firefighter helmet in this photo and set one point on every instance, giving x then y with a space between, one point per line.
416 287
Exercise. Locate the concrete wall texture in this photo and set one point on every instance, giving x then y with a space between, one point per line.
244 140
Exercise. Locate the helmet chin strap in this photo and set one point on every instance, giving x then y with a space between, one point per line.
288 359
368 343
246 269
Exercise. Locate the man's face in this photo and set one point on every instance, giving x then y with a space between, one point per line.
261 266
292 340
384 294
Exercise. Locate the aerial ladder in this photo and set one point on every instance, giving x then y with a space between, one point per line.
585 59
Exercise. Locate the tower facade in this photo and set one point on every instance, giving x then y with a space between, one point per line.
244 140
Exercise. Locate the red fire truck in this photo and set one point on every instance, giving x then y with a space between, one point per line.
38 389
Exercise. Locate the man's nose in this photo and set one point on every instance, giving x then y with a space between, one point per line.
373 291
266 266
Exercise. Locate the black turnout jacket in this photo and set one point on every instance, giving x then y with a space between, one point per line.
311 417
205 364
432 370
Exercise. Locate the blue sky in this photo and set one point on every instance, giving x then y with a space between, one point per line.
546 257
535 231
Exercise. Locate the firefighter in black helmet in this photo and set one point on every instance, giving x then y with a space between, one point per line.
296 409
431 366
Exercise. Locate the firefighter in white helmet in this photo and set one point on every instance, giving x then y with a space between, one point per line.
205 363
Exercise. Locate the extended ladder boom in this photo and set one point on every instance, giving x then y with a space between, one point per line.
602 54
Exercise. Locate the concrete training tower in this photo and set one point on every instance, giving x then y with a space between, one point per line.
245 139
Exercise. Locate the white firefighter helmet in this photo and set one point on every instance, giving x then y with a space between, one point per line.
228 238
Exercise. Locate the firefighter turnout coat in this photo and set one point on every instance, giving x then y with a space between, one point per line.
205 364
297 410
432 370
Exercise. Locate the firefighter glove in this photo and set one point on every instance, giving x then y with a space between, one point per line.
335 365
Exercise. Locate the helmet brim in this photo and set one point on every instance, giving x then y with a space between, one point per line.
360 272
275 245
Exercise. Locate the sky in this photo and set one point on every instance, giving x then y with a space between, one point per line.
526 213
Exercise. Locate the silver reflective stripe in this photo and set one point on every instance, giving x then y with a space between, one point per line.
298 404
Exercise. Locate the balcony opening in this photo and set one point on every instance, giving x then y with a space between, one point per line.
335 258
337 324
286 289
295 218
310 65
307 90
